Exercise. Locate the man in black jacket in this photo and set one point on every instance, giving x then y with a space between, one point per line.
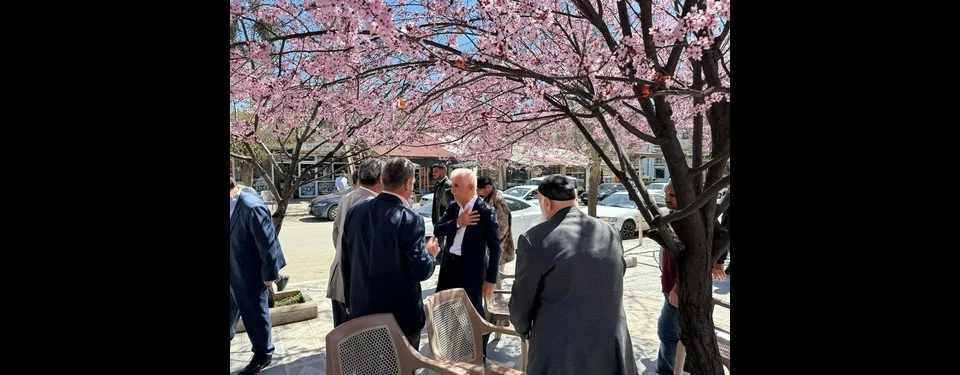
442 196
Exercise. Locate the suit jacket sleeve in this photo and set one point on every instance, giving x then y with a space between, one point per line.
524 293
447 226
264 235
345 263
491 236
420 263
336 223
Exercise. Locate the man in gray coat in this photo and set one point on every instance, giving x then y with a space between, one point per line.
370 185
567 298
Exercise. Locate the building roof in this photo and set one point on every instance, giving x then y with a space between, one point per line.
416 149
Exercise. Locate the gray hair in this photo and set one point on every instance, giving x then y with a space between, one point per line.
467 173
397 171
369 171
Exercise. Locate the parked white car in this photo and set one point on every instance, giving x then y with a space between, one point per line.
426 200
523 192
528 193
524 216
656 187
621 212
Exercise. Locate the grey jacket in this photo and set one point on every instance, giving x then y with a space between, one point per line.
567 299
335 286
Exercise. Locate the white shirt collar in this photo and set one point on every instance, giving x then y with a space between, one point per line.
470 203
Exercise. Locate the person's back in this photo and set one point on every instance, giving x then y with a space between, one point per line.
581 262
584 255
384 256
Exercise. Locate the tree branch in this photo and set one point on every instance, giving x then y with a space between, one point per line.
720 158
673 243
295 36
241 157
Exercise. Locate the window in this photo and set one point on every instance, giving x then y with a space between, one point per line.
659 173
618 200
515 205
531 195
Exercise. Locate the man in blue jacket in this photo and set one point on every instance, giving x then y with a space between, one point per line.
255 262
384 256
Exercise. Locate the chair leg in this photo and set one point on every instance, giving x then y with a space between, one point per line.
681 358
524 353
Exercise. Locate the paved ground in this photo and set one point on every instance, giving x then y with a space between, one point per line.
308 249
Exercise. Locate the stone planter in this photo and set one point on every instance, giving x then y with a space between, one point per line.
279 316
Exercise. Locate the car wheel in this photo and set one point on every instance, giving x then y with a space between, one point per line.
628 229
332 212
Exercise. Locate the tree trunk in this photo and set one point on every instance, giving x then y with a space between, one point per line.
246 173
696 306
280 213
593 182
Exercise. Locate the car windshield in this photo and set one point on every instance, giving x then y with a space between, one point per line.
656 186
618 200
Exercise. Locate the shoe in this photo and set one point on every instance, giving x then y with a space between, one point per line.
259 362
282 282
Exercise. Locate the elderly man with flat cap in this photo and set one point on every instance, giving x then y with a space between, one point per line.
570 274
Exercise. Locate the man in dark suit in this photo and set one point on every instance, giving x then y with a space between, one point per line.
442 196
255 262
567 299
471 255
383 256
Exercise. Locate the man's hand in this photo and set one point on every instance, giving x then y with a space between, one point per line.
718 272
488 289
268 283
674 299
433 247
468 218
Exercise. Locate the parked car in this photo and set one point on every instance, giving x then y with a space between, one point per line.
577 183
328 206
524 216
603 191
723 192
524 192
426 200
621 212
656 187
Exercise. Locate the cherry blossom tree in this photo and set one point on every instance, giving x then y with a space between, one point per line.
624 72
306 87
490 74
